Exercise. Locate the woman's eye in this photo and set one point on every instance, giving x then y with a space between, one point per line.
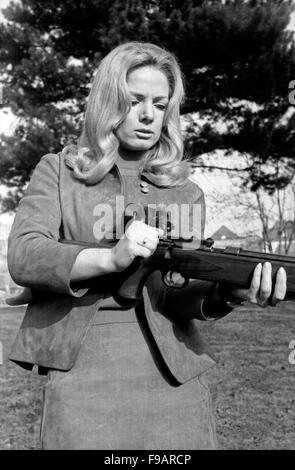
161 106
134 102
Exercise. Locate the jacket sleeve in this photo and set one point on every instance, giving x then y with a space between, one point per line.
35 257
199 299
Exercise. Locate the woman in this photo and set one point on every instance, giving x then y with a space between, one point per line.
119 376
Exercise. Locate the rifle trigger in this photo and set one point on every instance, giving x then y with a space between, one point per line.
174 279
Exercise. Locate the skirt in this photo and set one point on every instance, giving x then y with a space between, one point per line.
119 396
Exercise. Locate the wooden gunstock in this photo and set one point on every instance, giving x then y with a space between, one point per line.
232 265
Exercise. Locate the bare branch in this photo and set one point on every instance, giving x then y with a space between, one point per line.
215 167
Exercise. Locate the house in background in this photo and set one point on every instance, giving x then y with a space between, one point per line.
224 237
277 240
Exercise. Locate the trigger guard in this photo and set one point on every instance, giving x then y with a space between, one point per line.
168 280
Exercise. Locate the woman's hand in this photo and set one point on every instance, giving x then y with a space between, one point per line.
260 291
139 239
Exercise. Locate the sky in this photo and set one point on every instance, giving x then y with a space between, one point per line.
3 4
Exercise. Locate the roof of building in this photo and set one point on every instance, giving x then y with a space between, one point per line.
224 233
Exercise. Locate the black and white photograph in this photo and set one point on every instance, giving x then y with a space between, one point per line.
147 227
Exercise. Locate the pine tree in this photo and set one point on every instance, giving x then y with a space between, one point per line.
230 51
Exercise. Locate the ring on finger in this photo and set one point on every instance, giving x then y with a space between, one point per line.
144 241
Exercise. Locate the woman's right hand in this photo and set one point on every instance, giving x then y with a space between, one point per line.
139 239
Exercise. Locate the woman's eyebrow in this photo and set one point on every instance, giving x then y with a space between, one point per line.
140 95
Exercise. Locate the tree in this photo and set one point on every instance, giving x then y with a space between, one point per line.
230 52
250 212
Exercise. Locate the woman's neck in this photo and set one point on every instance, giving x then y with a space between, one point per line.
127 159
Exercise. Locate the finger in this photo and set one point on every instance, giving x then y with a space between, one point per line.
159 231
135 249
152 231
265 284
142 226
142 251
140 230
148 235
255 283
280 287
148 243
135 225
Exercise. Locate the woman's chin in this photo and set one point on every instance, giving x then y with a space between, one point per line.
137 148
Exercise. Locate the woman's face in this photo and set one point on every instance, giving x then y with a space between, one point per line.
142 126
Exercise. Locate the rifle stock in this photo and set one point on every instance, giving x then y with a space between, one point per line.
231 265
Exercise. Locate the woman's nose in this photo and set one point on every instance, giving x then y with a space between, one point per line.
147 112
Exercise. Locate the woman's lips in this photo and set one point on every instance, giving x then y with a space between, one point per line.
143 134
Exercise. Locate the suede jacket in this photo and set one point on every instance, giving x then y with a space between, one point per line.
57 205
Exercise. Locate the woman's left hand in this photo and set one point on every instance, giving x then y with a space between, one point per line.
261 288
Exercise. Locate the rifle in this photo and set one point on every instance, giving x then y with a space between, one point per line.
230 265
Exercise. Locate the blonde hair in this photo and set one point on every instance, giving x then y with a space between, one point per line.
108 105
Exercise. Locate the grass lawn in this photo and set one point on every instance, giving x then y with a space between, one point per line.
253 386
